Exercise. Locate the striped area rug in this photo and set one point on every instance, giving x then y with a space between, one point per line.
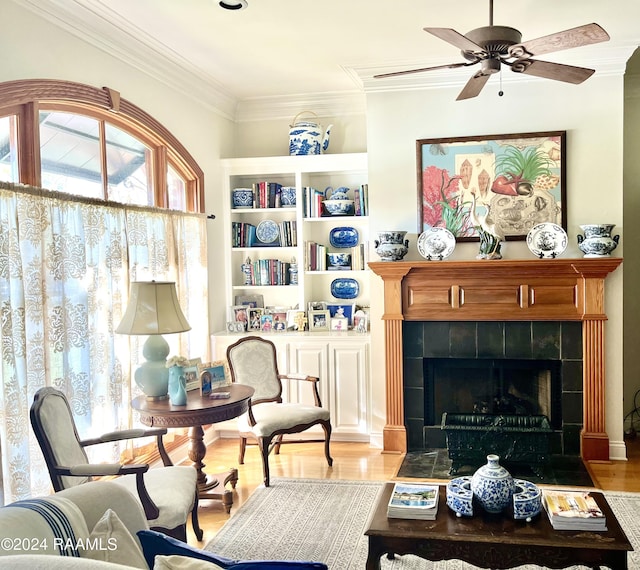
324 520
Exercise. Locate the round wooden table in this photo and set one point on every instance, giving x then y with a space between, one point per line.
198 411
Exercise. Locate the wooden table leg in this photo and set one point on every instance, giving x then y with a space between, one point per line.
210 486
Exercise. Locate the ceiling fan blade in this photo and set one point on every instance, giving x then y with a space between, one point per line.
447 66
473 86
575 37
455 38
549 70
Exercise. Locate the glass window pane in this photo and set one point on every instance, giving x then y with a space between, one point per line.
8 150
128 168
176 187
70 153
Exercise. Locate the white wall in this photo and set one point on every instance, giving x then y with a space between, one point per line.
592 115
34 48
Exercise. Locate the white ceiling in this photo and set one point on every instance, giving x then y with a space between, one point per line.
286 49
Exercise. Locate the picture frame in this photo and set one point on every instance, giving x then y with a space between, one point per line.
266 322
236 326
213 375
251 301
191 375
239 314
345 310
360 322
515 180
319 320
254 318
339 324
295 318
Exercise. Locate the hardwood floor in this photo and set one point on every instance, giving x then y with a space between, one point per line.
352 461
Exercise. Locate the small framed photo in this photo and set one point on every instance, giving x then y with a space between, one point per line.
360 323
319 320
191 374
266 322
236 326
296 319
239 314
255 315
345 310
339 324
252 301
317 305
213 375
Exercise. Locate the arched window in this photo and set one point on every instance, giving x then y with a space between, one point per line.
81 140
94 194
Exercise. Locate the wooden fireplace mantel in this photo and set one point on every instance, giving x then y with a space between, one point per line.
498 290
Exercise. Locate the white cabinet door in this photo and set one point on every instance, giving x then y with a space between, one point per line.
311 357
348 388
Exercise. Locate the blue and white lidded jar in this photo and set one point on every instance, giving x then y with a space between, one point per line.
493 486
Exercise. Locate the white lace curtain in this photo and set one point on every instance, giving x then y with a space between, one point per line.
65 270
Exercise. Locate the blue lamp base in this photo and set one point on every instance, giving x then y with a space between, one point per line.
153 375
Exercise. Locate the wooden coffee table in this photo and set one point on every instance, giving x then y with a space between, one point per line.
495 541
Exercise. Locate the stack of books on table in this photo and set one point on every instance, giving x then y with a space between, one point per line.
573 510
413 501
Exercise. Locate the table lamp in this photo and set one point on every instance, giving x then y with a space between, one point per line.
153 310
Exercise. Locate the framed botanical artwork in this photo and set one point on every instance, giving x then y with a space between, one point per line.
191 375
345 310
213 375
504 184
319 320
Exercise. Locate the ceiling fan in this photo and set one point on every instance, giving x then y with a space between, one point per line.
491 46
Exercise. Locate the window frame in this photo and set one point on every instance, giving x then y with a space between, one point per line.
26 98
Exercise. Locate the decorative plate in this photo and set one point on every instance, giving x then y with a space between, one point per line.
267 231
344 236
345 288
547 240
436 243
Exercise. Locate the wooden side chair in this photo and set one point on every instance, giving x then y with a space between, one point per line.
252 361
167 494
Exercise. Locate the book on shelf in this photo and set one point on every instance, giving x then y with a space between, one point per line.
417 501
573 510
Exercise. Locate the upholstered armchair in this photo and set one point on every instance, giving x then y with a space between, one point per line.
167 494
252 361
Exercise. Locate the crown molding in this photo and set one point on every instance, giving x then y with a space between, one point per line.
96 24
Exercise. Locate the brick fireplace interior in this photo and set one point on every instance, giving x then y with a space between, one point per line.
542 309
521 368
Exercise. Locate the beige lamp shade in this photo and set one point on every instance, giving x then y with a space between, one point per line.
153 309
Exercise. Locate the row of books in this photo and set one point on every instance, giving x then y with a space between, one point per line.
315 257
567 510
265 195
243 234
312 201
268 272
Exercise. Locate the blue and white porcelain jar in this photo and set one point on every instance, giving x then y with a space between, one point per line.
493 486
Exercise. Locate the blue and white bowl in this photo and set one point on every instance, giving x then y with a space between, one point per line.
340 260
339 207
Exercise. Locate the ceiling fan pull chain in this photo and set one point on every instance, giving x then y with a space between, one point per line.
501 92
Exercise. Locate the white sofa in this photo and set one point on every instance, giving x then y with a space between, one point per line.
101 525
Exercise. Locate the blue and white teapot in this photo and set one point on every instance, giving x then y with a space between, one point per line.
307 137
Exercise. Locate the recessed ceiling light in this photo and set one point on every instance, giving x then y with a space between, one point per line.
238 5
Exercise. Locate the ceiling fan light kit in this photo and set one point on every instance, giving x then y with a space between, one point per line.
492 46
238 5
